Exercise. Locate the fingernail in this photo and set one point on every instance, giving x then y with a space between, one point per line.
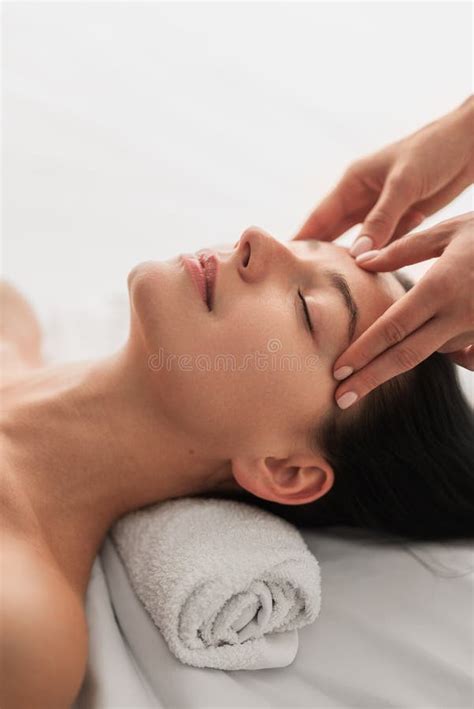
346 399
343 372
363 243
367 255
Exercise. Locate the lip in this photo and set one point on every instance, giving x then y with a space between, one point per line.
210 264
202 268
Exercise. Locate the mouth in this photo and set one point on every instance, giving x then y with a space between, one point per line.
202 268
210 264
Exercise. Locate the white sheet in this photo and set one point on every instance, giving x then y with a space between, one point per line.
395 630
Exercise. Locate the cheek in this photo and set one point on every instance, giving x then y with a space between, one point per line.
218 380
237 377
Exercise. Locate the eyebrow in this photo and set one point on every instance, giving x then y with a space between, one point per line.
338 281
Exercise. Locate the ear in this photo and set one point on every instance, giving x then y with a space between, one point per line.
290 481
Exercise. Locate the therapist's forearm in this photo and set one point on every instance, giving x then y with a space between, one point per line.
465 115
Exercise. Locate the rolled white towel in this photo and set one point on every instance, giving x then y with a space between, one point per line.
227 584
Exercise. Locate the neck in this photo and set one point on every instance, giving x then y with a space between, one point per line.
92 445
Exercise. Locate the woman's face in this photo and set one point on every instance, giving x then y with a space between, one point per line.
248 376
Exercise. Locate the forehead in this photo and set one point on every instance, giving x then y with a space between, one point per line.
373 292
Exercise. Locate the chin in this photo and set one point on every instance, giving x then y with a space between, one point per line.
150 286
165 307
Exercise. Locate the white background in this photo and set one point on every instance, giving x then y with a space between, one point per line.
141 130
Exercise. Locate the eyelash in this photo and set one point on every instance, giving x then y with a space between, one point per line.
304 308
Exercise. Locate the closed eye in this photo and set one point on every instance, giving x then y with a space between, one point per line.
306 312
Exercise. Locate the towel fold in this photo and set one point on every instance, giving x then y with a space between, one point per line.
227 584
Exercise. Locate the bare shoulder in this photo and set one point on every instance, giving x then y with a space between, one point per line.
43 630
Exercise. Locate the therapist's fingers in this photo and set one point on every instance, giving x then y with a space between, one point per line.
328 219
314 228
464 357
382 220
345 205
415 308
409 249
458 342
444 196
398 359
410 220
349 203
383 223
425 208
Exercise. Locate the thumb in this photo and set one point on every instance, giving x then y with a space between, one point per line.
328 220
412 248
382 220
324 221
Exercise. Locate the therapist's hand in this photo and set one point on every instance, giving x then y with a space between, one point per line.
436 315
391 191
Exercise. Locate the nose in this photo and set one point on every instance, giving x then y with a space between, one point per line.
258 253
